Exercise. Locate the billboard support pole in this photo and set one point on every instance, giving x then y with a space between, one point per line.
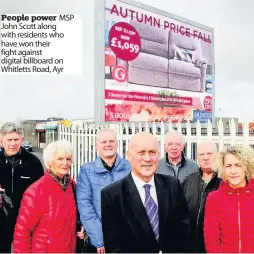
99 60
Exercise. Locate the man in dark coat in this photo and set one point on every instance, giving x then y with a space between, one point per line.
197 186
18 170
144 212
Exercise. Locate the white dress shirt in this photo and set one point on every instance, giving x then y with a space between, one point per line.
140 186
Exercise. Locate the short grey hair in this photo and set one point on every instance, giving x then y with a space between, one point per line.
101 131
57 148
11 127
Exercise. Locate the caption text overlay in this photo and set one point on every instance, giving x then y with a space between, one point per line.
41 44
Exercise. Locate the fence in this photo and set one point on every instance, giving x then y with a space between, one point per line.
83 137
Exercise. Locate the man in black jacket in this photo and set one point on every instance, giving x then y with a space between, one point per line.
18 170
144 212
197 186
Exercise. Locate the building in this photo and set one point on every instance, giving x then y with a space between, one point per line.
41 128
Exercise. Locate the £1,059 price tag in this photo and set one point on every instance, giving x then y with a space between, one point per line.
125 46
124 41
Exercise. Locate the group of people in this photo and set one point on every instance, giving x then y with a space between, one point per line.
140 204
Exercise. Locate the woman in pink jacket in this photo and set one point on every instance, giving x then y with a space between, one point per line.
229 212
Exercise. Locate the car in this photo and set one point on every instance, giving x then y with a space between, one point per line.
28 146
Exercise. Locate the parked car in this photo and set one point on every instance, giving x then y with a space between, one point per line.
28 146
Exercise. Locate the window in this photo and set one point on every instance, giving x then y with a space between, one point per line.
193 131
203 131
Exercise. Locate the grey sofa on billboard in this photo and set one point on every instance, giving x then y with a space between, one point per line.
167 60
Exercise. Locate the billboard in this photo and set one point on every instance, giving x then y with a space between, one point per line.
157 66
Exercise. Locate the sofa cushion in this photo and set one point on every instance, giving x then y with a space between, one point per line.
151 62
153 40
154 48
151 33
183 68
147 77
177 40
183 54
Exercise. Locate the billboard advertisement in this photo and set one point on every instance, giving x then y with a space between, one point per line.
157 67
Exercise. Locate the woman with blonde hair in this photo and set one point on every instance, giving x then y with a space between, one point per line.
229 212
47 216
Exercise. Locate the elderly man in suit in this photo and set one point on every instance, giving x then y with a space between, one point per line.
144 212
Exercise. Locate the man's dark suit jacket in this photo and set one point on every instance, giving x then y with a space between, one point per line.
126 227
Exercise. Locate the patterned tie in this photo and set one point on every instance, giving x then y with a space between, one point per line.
152 211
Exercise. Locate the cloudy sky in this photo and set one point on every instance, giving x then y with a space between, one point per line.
40 97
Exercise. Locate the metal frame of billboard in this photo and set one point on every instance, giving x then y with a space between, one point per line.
99 54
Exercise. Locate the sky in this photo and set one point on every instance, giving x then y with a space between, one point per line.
72 96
